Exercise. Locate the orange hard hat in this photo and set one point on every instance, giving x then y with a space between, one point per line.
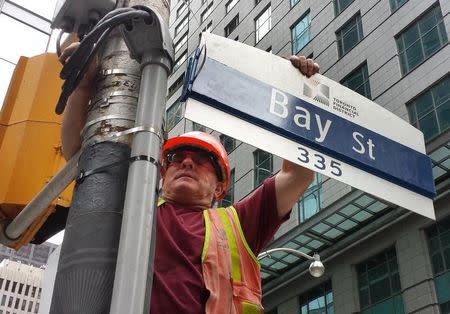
206 142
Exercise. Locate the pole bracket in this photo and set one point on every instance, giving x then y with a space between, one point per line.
145 35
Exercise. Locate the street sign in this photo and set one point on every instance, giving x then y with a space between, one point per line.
261 99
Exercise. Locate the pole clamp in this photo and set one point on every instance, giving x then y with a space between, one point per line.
137 129
107 72
86 173
143 35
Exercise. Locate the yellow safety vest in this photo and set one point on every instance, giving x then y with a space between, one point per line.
231 272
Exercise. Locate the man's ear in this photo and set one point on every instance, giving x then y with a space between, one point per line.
219 189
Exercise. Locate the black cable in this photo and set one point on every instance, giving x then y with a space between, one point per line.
99 32
86 45
89 41
58 43
75 68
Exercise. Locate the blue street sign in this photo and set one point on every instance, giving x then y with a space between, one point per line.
259 103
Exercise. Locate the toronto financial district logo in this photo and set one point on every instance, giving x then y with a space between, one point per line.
317 91
321 93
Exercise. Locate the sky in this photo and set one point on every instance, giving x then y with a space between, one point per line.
19 39
57 238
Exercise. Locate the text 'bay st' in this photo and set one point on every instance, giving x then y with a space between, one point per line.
302 117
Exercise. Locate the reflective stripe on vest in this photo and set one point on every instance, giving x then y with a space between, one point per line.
230 269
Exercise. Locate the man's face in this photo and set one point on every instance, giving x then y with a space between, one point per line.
190 178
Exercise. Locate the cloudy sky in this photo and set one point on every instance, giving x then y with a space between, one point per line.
19 39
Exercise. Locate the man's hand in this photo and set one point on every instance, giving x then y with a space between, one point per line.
293 180
67 52
306 66
91 72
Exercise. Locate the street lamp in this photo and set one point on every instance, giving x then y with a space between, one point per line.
316 269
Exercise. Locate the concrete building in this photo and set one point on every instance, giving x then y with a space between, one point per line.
48 281
30 254
20 287
379 258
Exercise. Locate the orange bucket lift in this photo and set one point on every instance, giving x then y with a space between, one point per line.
30 148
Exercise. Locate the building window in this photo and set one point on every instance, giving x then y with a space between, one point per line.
263 166
349 35
230 4
173 115
13 289
439 244
180 61
301 33
379 284
317 300
420 40
208 28
228 199
294 2
263 23
175 85
430 112
24 251
181 9
181 42
228 143
206 12
395 4
341 5
232 25
198 127
358 80
311 201
181 25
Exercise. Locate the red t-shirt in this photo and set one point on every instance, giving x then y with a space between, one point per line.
177 280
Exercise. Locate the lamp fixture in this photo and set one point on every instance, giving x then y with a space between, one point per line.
316 268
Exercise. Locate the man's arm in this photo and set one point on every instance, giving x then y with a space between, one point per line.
293 180
290 184
75 113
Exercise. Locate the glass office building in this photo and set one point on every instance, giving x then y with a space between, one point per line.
379 258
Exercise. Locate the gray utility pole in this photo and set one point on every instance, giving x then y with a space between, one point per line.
115 197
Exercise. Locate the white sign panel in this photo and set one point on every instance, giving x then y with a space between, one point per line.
261 99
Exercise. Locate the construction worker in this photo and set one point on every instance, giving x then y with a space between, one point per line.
205 259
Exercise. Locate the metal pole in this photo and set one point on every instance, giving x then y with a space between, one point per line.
85 276
134 270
